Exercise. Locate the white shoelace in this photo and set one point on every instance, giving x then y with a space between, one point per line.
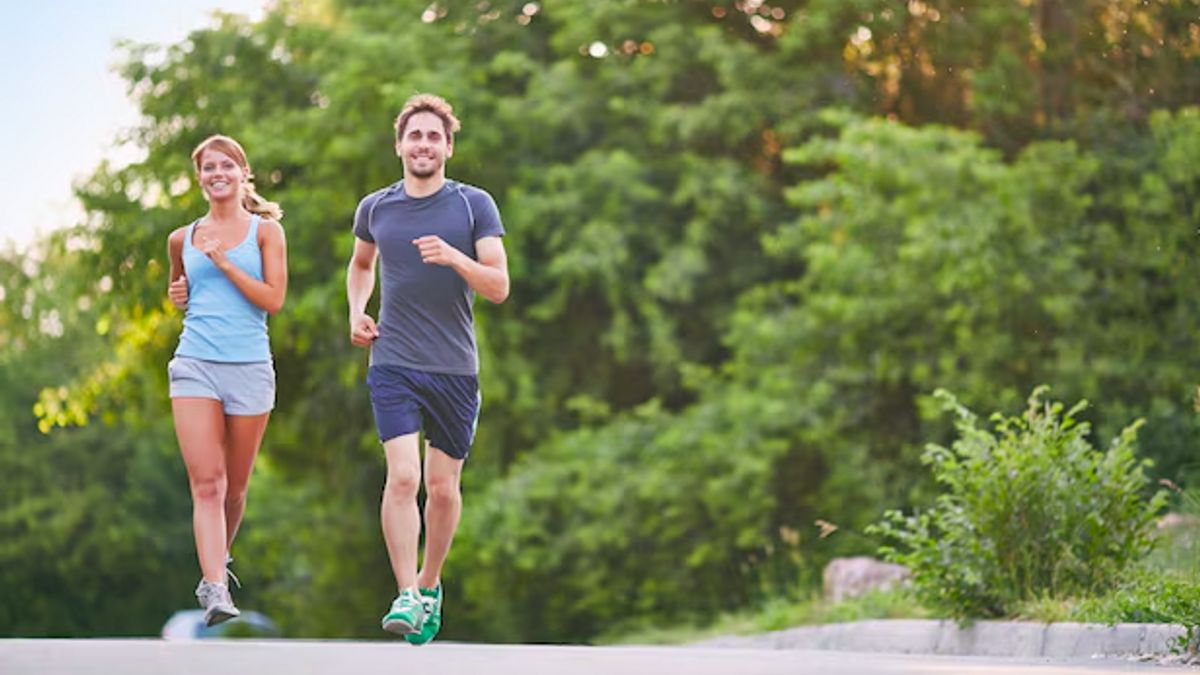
229 573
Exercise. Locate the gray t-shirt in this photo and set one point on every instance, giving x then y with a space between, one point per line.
425 317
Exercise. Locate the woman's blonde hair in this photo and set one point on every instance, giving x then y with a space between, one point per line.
251 200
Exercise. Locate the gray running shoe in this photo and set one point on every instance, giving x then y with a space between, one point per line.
214 599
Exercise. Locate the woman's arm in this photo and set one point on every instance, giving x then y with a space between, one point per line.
177 289
271 291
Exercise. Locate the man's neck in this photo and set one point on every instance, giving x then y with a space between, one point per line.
423 187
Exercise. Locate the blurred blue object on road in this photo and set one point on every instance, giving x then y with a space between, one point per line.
188 624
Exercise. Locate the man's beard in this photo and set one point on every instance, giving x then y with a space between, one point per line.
423 174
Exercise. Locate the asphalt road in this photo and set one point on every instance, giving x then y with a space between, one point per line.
301 657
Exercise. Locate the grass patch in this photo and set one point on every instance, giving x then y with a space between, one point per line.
779 614
1150 597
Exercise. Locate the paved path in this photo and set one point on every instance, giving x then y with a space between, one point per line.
1000 639
300 657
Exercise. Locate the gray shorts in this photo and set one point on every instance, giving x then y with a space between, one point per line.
242 388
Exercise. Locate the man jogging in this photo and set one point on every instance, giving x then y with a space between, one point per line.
439 243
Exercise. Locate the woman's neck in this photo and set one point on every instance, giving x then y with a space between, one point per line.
227 211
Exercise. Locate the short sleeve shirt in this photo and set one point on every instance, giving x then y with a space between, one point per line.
425 321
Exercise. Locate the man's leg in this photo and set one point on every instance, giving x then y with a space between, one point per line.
398 511
443 506
451 408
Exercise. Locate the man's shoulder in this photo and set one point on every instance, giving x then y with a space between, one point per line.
379 194
470 191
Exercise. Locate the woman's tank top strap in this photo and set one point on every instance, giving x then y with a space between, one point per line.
187 236
252 233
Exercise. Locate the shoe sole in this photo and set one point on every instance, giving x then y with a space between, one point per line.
415 639
399 627
219 616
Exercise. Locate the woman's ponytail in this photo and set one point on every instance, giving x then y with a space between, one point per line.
256 203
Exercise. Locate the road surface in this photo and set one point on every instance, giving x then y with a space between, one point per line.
303 657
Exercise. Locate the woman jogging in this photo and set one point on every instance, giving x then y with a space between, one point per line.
228 272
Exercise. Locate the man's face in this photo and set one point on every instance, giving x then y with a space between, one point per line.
423 146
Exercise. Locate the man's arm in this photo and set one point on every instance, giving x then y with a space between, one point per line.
487 277
360 283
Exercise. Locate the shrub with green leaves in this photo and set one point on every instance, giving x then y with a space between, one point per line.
1028 509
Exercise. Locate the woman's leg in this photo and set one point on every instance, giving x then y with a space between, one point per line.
200 428
243 436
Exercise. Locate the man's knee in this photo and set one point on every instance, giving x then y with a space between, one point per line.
402 482
442 489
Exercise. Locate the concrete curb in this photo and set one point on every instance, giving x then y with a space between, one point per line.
981 638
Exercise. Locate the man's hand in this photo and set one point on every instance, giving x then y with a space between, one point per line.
434 251
177 291
363 330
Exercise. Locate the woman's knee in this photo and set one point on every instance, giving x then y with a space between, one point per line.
209 487
236 493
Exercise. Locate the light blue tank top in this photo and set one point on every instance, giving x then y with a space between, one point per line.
220 324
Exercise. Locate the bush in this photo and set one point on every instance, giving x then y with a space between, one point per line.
1029 510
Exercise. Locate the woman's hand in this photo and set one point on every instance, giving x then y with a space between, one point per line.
212 248
177 291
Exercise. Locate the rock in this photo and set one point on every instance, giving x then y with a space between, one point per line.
1173 520
852 577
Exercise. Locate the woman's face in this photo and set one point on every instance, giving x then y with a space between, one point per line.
220 176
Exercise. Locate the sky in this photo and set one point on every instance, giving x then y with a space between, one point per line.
66 105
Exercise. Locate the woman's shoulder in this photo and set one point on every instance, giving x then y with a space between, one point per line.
175 239
269 227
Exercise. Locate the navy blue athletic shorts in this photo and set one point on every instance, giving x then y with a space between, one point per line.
407 401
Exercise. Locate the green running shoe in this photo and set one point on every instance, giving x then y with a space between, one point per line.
431 598
407 614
